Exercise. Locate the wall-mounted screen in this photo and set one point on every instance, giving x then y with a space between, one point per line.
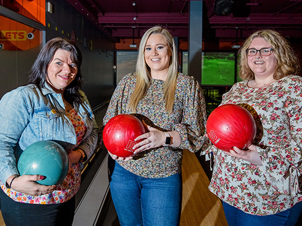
218 68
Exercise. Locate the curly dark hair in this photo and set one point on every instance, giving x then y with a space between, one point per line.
38 72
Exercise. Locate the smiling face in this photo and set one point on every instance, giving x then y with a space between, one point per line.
262 66
157 56
61 70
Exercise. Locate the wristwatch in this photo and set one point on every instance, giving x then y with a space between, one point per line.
168 141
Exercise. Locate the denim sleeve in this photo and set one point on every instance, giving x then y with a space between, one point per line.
14 116
90 143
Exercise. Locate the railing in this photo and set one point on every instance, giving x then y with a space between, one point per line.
92 197
97 109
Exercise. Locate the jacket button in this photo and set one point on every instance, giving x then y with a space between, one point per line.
53 111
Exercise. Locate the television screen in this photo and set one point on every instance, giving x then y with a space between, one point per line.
218 68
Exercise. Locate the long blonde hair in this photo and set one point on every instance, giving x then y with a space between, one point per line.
143 74
288 62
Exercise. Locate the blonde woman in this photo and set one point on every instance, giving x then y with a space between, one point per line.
260 186
147 188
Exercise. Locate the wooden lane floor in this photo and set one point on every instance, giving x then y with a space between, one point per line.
1 220
200 207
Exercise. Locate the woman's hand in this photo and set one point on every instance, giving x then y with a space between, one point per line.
115 157
73 157
27 184
152 139
251 155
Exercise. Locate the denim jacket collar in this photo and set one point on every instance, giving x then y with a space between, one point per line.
46 89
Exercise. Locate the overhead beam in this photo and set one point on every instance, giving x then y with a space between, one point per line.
85 9
155 18
257 19
127 32
20 18
95 5
245 32
288 7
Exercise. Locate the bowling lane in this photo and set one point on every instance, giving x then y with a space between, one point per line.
1 220
199 206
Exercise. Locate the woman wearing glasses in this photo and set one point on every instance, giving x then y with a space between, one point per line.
260 186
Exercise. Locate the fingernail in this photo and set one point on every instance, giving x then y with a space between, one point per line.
42 177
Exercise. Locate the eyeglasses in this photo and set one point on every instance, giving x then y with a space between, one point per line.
262 51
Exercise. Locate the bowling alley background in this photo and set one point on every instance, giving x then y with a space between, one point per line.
108 33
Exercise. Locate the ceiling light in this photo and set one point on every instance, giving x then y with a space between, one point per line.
236 46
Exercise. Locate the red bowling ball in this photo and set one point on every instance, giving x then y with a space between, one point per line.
231 125
119 134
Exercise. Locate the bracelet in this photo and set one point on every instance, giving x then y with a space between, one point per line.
83 155
11 182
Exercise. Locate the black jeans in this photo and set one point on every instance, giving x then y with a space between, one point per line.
24 214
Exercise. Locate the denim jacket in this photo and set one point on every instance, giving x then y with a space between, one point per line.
29 114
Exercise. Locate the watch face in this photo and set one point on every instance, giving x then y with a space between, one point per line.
168 140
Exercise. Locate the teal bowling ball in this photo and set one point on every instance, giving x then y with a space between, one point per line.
46 158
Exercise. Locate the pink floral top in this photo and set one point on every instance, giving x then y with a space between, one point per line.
274 186
71 184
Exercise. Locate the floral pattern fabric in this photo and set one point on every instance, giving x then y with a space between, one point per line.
274 186
188 118
78 124
71 184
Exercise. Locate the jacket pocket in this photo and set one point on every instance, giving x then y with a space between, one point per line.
48 123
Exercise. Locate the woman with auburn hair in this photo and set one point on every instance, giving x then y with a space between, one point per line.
146 188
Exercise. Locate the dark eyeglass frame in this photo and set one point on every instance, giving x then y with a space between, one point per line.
260 51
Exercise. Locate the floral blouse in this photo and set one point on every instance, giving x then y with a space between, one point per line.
70 185
188 118
272 187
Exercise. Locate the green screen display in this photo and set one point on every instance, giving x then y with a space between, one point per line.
218 68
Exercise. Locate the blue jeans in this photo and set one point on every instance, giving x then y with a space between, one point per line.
237 217
145 201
